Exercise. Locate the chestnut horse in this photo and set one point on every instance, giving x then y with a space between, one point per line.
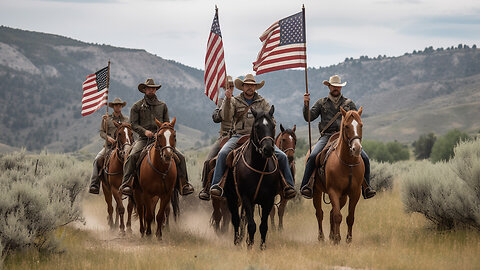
285 141
114 173
344 170
157 179
253 177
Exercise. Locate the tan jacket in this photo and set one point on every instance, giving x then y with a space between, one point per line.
111 128
232 110
225 125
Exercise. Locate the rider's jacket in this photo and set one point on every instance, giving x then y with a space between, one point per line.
225 125
143 114
110 127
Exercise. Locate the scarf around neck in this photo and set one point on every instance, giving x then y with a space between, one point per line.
152 101
335 100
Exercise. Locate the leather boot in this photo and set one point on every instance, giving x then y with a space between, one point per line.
125 187
204 195
289 192
368 192
216 190
306 192
94 180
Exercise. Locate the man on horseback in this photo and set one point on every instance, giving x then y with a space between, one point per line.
329 110
237 110
225 128
142 117
107 132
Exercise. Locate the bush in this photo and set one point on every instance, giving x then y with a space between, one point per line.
39 194
447 193
443 147
381 176
389 152
423 146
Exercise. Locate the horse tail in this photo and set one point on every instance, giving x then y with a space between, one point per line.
175 200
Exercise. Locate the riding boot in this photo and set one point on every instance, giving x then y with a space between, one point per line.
204 195
94 180
367 191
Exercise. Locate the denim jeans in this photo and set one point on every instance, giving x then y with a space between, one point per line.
230 145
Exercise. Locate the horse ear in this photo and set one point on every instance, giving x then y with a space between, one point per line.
281 128
272 110
159 124
173 121
343 111
117 124
253 112
294 128
360 110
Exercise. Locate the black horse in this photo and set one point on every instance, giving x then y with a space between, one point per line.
253 177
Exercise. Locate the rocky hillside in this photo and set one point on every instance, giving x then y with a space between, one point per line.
41 76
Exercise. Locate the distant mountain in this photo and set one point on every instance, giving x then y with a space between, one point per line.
403 97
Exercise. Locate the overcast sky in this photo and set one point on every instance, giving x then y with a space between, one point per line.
178 30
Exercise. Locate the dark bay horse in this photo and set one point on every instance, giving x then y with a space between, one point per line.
157 179
253 177
286 141
344 170
114 173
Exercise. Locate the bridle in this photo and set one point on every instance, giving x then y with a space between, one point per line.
349 141
162 148
121 147
285 150
258 145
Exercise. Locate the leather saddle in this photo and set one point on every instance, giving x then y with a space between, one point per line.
322 158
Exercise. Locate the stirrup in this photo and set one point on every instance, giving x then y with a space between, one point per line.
216 190
306 192
203 195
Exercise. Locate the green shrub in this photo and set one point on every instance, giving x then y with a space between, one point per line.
389 152
444 145
423 146
39 194
447 193
381 176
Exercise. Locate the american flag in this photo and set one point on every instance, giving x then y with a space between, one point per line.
214 62
283 46
95 91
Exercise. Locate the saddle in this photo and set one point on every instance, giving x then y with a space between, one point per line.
322 158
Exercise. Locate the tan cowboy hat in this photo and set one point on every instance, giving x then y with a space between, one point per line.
335 80
117 101
249 79
148 83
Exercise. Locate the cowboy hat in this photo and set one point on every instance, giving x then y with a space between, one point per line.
117 101
249 79
148 83
335 80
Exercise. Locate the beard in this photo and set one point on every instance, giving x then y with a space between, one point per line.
335 93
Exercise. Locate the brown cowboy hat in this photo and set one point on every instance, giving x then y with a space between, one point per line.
148 83
249 79
117 101
335 80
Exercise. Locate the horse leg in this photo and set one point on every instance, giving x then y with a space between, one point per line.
352 203
107 193
167 217
335 216
149 213
129 215
216 215
225 217
233 207
120 209
281 212
141 212
317 203
266 208
164 203
272 218
248 206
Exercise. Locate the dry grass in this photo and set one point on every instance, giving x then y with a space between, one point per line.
384 238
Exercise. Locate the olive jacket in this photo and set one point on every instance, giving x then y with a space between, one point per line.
225 125
233 110
327 109
142 116
110 127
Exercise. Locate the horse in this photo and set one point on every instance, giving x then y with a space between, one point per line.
286 141
157 180
253 177
342 177
114 173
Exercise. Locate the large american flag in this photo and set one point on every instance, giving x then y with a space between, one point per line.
283 46
95 91
214 62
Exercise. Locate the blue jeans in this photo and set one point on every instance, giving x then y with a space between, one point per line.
310 166
230 145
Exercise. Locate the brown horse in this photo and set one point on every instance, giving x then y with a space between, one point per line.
285 141
114 172
157 179
344 170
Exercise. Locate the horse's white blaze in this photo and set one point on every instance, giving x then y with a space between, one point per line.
167 136
290 137
126 134
265 122
355 125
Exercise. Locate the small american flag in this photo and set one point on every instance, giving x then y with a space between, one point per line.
214 62
283 46
95 91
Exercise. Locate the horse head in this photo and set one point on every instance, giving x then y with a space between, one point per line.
263 131
286 141
124 137
165 139
351 130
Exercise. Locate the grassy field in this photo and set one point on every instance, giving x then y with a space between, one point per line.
384 237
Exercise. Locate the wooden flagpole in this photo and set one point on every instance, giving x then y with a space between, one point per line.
306 80
105 122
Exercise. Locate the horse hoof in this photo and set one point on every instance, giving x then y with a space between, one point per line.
263 246
321 238
349 239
